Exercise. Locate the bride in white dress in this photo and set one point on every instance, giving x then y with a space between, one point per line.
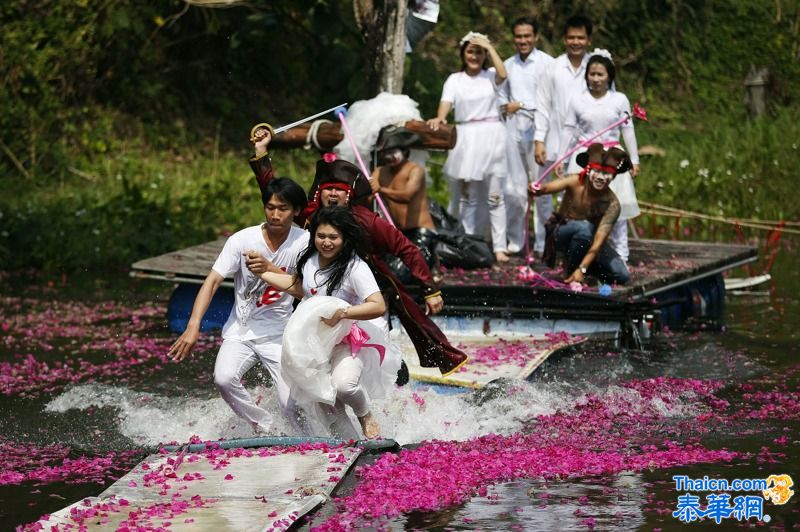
336 351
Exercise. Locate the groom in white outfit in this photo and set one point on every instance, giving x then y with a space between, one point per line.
254 330
518 98
563 79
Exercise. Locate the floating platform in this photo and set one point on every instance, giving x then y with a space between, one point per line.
232 485
517 359
671 282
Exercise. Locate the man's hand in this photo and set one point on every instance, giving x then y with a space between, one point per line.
635 170
559 170
576 277
539 153
184 344
257 263
434 305
261 139
511 107
375 185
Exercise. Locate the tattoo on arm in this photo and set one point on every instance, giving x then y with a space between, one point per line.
609 218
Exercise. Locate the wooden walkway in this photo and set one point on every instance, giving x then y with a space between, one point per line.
241 489
656 266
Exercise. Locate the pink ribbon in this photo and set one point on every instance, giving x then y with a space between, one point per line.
358 338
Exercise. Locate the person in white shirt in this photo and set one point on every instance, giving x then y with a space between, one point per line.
525 69
592 111
335 346
254 330
476 167
562 80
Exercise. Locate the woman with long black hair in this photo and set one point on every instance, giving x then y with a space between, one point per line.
335 346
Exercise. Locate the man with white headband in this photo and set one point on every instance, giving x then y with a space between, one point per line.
586 216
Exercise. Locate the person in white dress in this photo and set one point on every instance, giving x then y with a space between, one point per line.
335 347
563 79
518 98
592 111
476 167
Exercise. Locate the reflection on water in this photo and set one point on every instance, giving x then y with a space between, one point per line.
113 391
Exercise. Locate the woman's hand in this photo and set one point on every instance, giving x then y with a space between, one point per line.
483 42
334 320
258 264
434 123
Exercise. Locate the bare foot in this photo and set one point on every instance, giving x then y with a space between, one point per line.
500 256
369 426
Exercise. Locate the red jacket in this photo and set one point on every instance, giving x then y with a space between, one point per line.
430 343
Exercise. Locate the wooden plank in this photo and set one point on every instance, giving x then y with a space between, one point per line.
242 492
478 372
194 261
746 282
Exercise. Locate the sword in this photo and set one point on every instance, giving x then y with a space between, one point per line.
264 125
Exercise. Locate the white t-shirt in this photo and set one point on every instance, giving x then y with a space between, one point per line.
250 318
358 283
473 97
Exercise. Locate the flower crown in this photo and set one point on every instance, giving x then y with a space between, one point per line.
468 37
602 52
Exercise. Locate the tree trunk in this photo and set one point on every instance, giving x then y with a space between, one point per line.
383 26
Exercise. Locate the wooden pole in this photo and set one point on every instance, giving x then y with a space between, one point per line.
330 134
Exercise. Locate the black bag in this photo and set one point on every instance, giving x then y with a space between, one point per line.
460 250
455 248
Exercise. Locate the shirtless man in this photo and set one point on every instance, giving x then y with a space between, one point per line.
401 183
586 216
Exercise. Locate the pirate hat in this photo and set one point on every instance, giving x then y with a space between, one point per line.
398 137
340 171
613 158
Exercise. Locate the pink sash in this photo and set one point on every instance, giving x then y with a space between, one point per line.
358 338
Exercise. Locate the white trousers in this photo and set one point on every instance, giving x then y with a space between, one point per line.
619 239
520 159
346 374
543 208
478 204
235 358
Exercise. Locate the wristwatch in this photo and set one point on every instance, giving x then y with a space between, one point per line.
582 269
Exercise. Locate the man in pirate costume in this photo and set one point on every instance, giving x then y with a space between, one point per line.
338 182
586 216
254 330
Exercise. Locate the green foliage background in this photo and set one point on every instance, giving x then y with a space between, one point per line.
123 125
